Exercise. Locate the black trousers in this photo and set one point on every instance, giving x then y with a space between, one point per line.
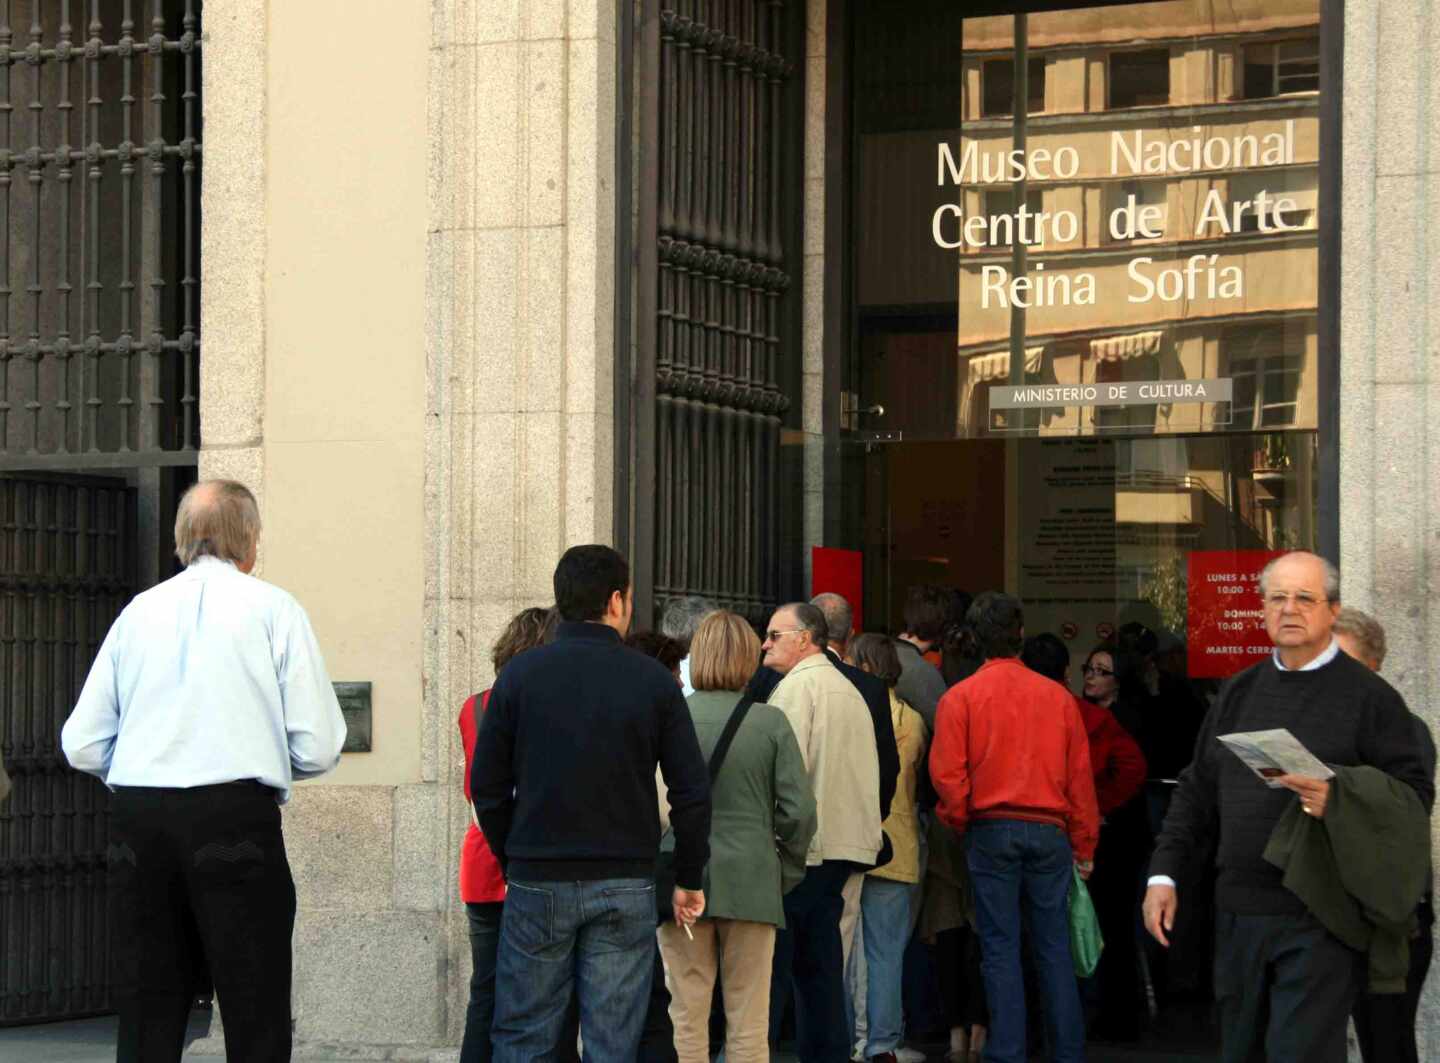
957 970
809 960
200 890
1385 1022
1285 987
1115 891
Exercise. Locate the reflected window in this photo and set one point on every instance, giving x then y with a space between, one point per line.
1299 188
1002 226
997 78
1282 68
1151 194
1266 373
1136 417
1140 79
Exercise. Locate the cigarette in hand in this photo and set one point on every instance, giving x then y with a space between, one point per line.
687 931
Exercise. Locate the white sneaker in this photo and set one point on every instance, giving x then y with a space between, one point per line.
905 1054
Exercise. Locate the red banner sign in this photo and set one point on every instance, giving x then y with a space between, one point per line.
841 572
1225 622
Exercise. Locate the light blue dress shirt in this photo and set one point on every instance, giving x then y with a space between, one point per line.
210 677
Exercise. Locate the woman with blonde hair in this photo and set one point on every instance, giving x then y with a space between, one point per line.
762 820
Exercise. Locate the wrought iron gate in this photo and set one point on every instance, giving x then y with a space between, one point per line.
67 568
721 140
99 254
100 148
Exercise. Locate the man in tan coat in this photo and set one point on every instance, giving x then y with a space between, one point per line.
837 741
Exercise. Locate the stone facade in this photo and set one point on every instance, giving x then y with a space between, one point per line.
459 306
1390 350
458 436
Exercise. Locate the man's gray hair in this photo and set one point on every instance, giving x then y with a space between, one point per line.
809 618
217 518
683 615
1332 574
1365 630
839 617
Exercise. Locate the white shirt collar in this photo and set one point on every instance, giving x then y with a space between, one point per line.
1325 658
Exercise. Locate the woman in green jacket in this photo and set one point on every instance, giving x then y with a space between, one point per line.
762 820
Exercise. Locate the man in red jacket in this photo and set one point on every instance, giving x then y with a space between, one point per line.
1011 765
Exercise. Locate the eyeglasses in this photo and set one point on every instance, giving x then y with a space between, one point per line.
1091 669
774 636
1303 601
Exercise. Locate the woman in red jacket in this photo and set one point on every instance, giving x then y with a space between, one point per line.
1114 694
482 885
1119 769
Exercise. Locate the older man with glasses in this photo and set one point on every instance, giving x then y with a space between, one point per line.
837 742
1285 984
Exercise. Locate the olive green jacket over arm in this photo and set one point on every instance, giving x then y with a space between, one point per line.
1362 869
762 810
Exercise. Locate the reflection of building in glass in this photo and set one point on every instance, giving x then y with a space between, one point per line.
1160 225
1191 214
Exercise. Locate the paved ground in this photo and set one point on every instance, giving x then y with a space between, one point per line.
93 1041
86 1041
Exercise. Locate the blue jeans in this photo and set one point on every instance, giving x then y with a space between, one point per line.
1021 873
596 939
885 923
484 943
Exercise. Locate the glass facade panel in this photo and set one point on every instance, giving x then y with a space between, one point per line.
1092 323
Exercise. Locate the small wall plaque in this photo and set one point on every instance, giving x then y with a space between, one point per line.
354 701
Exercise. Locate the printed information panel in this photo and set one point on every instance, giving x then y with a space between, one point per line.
1224 619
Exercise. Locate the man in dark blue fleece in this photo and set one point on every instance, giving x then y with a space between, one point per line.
564 788
1284 984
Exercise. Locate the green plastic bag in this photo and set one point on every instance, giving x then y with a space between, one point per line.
1085 940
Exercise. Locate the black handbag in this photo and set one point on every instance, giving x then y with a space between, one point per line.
665 861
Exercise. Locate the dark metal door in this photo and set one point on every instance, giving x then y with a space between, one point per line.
721 139
67 568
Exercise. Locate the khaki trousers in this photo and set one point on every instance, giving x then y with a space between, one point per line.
741 952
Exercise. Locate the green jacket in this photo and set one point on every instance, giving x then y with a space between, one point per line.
762 810
1362 869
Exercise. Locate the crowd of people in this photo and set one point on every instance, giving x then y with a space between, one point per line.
705 839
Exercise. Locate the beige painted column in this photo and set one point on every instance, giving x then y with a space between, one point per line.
407 255
1390 350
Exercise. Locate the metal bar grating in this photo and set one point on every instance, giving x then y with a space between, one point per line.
721 271
106 198
67 568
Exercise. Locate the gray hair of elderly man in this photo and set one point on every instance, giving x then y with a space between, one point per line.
839 617
1368 633
683 615
217 518
1332 574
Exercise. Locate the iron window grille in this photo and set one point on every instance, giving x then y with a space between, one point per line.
100 148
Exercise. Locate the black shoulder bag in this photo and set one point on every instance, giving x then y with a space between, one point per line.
665 861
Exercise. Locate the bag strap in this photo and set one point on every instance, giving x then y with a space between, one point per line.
722 747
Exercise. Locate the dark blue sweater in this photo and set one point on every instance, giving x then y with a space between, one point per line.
564 770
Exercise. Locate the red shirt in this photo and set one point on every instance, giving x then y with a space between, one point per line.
480 877
1115 757
1010 744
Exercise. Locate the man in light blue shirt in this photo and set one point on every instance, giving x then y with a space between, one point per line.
681 619
207 698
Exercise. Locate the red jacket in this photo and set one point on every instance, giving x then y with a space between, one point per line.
480 876
1010 744
1115 757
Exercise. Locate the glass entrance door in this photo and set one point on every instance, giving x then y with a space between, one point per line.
1086 353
